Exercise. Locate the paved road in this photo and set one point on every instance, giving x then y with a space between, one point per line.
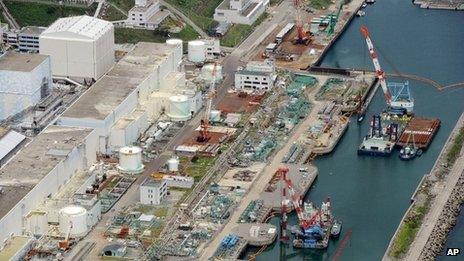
185 18
10 19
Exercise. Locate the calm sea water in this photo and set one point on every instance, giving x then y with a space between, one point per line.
370 195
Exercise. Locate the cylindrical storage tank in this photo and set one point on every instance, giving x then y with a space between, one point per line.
207 72
215 115
179 108
130 160
173 164
178 44
196 51
75 216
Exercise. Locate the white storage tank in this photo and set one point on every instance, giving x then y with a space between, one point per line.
179 108
173 164
207 72
178 44
196 51
75 216
215 115
130 160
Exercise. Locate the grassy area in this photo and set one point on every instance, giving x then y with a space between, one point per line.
125 5
199 11
43 14
112 14
408 230
320 4
238 32
275 2
129 35
199 168
453 153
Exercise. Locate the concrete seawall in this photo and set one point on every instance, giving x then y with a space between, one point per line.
441 216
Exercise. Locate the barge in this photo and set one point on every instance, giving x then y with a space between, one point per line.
423 131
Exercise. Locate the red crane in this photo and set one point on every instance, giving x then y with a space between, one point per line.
378 70
302 35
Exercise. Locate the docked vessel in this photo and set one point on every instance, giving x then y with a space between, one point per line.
336 229
316 228
379 142
401 100
408 152
360 13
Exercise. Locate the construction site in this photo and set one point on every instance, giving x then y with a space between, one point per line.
177 154
300 43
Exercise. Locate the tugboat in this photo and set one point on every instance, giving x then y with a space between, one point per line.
336 228
410 150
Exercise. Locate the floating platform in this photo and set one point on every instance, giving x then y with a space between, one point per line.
421 131
373 146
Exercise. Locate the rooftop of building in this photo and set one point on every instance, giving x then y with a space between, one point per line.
34 30
248 72
21 62
16 243
249 9
108 92
33 162
86 26
138 8
151 182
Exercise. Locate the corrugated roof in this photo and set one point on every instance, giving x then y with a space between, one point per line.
10 141
82 25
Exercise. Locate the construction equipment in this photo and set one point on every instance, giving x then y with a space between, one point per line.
204 124
283 223
295 199
303 37
402 101
334 19
64 245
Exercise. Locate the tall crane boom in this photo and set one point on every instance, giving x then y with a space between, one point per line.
204 124
295 201
378 70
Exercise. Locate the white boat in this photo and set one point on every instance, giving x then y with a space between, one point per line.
360 13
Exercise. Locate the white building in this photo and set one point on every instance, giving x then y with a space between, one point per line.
146 14
240 11
80 47
28 38
257 76
25 79
39 170
152 191
135 92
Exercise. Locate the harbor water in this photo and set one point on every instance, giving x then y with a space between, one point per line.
370 195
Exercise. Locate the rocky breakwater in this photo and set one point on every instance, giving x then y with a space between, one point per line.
446 222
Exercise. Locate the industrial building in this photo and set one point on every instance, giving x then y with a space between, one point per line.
10 142
39 170
146 14
153 191
80 47
256 76
143 85
25 40
240 11
25 79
